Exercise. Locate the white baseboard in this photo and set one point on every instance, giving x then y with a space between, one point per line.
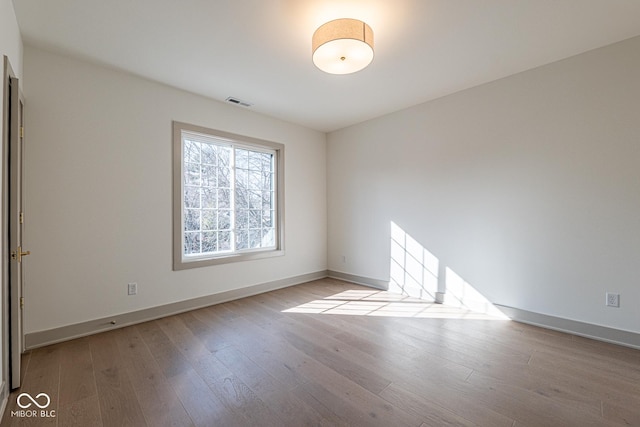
582 329
359 280
587 330
65 333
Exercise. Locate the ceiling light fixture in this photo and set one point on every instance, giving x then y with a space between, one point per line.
342 46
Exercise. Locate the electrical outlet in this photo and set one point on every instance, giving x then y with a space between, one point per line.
613 300
132 289
343 259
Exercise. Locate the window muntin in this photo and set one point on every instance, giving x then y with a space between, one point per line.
228 193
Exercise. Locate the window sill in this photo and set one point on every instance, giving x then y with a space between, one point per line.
179 264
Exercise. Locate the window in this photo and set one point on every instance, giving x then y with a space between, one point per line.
227 197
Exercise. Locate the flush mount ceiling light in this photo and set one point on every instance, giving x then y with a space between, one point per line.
342 46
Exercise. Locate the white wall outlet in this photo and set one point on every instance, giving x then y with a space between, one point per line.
613 300
343 259
132 289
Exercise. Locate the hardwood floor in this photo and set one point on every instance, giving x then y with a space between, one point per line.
329 353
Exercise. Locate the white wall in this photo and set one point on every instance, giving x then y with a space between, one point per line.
527 187
98 193
10 40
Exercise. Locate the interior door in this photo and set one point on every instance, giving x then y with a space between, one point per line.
16 223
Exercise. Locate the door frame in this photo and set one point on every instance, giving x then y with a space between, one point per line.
12 332
7 72
15 226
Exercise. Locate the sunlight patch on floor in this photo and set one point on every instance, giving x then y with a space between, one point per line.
385 304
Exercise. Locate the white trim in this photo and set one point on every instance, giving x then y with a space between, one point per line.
574 327
360 280
65 333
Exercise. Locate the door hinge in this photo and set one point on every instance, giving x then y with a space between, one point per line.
21 131
21 302
21 217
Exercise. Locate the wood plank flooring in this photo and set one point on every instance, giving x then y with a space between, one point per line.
329 353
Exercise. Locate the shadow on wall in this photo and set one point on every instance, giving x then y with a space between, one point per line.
416 272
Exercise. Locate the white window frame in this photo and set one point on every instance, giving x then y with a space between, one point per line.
182 261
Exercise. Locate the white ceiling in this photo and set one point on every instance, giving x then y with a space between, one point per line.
260 50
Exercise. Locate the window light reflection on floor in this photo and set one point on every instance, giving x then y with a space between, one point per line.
385 304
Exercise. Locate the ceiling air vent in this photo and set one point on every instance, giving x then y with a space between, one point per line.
237 101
